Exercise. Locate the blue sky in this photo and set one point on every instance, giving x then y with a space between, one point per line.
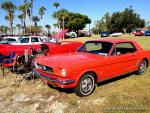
94 9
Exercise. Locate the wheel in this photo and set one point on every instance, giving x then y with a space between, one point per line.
86 85
142 68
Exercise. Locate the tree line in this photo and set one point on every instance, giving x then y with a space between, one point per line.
124 21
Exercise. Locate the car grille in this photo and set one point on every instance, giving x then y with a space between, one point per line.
45 69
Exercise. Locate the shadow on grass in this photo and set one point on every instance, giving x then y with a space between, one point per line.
70 91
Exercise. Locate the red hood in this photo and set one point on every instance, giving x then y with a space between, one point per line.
67 60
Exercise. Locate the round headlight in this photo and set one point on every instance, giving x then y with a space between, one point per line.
63 72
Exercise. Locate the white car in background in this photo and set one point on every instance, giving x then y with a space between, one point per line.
116 34
31 40
71 34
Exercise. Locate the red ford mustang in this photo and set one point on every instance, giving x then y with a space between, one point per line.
95 61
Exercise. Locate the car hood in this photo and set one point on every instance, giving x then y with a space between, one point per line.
68 59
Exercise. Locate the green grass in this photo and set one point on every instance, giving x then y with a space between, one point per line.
129 94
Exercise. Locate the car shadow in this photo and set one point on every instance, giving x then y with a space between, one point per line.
70 91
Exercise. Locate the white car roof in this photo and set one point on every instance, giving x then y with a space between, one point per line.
14 37
33 36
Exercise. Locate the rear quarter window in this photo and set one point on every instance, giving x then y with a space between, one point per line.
125 45
124 48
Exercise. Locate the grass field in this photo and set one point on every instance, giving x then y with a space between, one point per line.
127 94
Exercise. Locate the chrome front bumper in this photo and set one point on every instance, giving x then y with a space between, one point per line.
52 79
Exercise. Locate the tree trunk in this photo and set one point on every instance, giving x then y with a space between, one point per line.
24 25
11 27
22 29
77 32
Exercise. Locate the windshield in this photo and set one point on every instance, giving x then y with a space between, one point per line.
96 47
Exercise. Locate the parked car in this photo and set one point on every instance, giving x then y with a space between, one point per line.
33 43
93 62
116 34
87 33
12 39
84 34
147 33
138 33
104 34
71 34
29 40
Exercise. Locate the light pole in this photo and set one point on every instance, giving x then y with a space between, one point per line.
131 19
63 18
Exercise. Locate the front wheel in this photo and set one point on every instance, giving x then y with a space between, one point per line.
86 85
142 68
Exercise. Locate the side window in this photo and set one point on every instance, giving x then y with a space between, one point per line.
124 48
25 40
34 39
11 40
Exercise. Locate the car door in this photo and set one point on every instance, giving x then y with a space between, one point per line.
121 61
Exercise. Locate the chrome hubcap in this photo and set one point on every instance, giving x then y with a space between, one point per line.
87 84
143 67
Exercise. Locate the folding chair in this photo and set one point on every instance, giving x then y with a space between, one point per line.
8 62
23 69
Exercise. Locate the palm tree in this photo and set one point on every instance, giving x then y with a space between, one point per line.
31 7
35 19
4 29
61 15
8 18
19 27
42 12
14 28
48 27
10 8
25 11
56 4
21 17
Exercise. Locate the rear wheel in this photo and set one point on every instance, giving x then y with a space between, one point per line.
142 68
86 85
